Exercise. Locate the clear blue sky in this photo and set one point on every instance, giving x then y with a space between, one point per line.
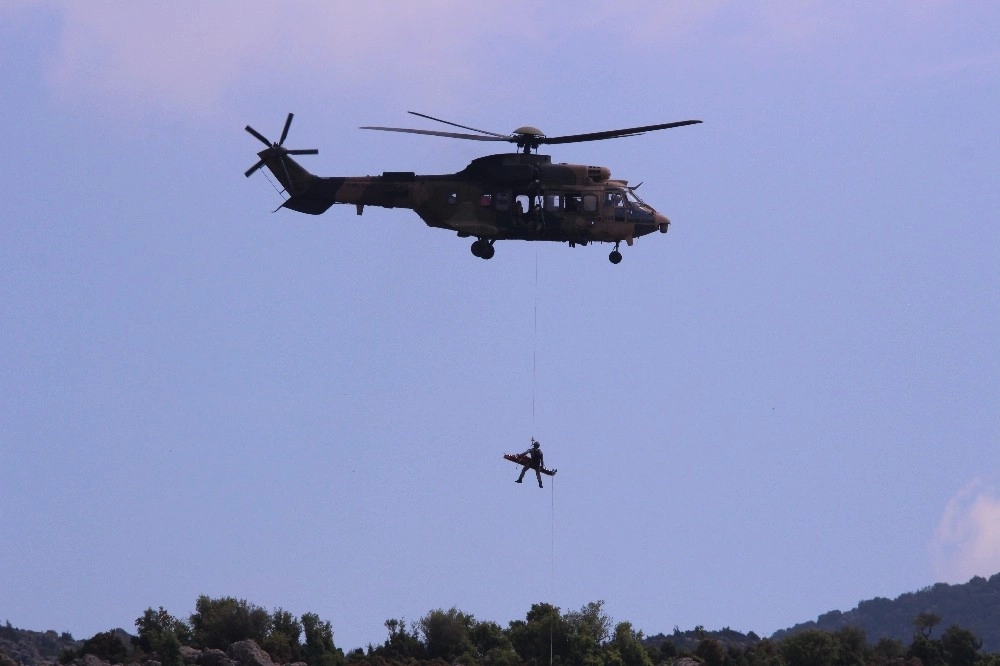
789 403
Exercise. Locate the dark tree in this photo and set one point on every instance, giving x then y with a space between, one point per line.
542 630
491 642
400 644
217 623
959 647
887 651
447 634
588 630
319 648
283 643
711 652
852 646
924 623
927 651
627 643
763 653
161 634
809 648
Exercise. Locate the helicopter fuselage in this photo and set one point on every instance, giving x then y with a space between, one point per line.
518 196
513 196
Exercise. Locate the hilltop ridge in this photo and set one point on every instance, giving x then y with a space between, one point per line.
974 605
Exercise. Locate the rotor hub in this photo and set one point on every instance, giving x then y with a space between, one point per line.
528 130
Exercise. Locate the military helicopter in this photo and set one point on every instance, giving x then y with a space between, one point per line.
510 196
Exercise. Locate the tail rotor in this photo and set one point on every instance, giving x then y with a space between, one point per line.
277 150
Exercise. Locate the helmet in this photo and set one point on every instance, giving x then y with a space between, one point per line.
536 444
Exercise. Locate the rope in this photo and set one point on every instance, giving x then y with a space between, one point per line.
552 571
552 547
534 349
552 481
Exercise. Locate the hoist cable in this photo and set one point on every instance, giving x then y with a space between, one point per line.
552 483
552 569
534 349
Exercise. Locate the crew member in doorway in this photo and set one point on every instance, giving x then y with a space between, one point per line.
537 462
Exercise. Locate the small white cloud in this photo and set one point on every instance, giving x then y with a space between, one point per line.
967 540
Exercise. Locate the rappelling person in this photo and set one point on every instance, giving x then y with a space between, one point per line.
536 463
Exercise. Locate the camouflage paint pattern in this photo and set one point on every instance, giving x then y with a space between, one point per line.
497 197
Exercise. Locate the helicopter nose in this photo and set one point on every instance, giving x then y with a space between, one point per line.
662 223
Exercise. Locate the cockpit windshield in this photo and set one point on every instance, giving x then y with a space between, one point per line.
627 198
636 201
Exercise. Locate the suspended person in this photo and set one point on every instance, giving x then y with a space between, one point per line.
536 463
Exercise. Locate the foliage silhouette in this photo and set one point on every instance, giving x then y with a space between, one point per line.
546 635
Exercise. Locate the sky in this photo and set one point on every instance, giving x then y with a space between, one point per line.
786 405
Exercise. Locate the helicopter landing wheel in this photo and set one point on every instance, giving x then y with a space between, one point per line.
615 257
483 249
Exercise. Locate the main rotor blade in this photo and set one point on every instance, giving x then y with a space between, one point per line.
284 132
446 122
303 151
453 135
259 136
612 134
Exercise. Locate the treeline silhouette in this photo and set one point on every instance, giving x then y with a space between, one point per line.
547 635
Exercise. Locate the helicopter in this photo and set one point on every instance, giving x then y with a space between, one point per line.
509 196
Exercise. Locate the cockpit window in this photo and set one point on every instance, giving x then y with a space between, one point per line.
634 198
627 205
